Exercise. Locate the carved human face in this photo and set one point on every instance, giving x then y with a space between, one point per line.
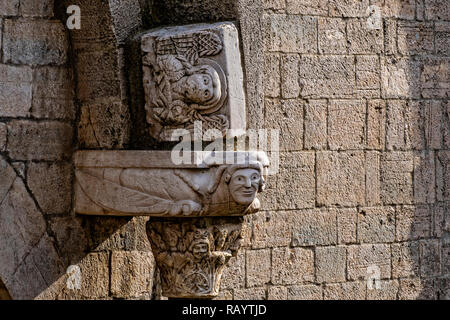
244 184
200 88
200 250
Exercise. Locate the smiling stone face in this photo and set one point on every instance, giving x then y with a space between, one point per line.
244 184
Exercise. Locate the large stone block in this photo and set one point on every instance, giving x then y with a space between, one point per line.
258 267
53 93
435 79
373 184
346 225
442 38
348 8
307 7
15 91
277 293
272 229
131 273
397 177
250 294
362 38
42 8
34 42
3 135
376 225
436 10
416 289
290 33
346 124
272 75
340 178
314 227
292 266
400 78
296 174
368 76
424 177
363 259
332 36
51 184
405 259
327 76
413 222
345 291
402 9
286 116
47 140
415 38
316 125
430 258
234 272
388 290
330 264
376 124
9 7
304 292
443 176
290 87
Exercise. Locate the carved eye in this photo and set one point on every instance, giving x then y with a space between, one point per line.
205 80
255 177
206 94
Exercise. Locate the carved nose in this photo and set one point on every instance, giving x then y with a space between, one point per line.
248 183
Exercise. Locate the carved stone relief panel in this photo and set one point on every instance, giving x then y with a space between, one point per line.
193 73
149 183
192 253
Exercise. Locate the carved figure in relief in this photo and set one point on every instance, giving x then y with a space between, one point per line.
181 85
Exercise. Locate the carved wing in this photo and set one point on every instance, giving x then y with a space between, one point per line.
117 198
192 46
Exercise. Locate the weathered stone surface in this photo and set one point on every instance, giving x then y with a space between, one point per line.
289 76
9 7
362 38
104 125
53 93
434 78
332 36
304 292
94 278
272 229
436 10
234 272
373 185
3 136
131 273
345 291
314 227
388 290
274 4
424 178
296 174
405 259
330 264
400 78
402 9
48 140
348 8
415 38
286 116
442 38
346 124
272 75
376 124
390 36
307 7
430 258
340 178
443 176
258 267
250 294
346 225
361 258
316 125
51 184
43 8
327 76
396 177
34 42
277 293
413 222
368 76
376 225
292 266
15 90
416 289
290 33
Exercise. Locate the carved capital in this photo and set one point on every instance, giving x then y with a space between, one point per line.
192 253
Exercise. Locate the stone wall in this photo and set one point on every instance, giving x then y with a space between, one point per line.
363 114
